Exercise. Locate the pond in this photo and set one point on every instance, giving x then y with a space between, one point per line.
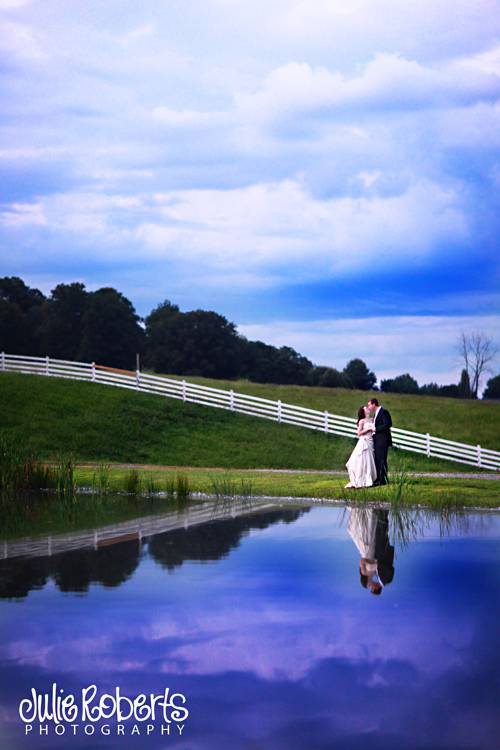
269 625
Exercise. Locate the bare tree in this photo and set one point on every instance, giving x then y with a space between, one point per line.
477 351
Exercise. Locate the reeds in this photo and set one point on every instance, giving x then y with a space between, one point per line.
224 485
64 473
19 468
401 486
22 471
152 486
132 482
100 480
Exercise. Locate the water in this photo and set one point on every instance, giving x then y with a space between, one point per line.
261 621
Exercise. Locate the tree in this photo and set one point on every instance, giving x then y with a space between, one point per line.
359 375
293 368
492 388
269 364
199 342
161 337
111 331
464 385
477 351
21 317
65 320
450 391
430 389
14 290
400 384
328 377
447 391
15 336
260 364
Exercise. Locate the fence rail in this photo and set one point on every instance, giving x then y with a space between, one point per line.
277 411
136 528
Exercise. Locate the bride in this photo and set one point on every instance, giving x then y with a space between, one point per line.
361 463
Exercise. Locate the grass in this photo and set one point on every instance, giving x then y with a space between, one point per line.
109 425
225 485
403 489
467 421
100 479
22 470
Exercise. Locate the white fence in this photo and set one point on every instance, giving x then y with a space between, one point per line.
277 411
135 528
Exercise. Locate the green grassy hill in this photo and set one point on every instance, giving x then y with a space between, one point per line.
99 422
472 422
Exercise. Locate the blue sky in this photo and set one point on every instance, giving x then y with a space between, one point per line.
326 175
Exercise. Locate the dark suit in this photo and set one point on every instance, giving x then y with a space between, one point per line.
382 439
384 551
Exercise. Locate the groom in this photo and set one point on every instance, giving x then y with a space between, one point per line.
382 439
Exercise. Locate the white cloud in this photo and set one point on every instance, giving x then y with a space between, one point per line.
188 118
422 345
350 28
475 127
20 42
281 225
146 30
487 62
387 82
275 230
8 4
23 214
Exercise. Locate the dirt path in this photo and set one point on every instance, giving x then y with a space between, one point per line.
331 472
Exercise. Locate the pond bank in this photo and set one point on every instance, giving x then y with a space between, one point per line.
334 472
412 489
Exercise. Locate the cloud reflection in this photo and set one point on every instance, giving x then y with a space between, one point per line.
277 644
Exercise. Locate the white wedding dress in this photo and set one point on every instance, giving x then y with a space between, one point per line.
361 463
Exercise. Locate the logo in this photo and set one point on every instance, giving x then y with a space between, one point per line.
91 712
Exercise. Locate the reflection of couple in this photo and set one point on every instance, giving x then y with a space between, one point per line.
369 530
367 465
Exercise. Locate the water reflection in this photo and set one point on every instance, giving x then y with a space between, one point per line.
208 532
260 620
372 530
369 530
115 558
213 540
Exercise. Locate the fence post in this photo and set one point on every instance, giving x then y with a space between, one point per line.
326 421
47 366
3 360
428 444
137 378
183 390
279 410
93 370
479 455
231 400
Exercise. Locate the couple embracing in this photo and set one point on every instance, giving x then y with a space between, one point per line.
367 465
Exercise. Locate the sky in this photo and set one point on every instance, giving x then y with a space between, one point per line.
326 175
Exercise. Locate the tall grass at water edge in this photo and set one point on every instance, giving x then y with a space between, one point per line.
177 487
21 471
225 485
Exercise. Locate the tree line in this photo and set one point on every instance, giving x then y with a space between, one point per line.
102 326
476 351
407 384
